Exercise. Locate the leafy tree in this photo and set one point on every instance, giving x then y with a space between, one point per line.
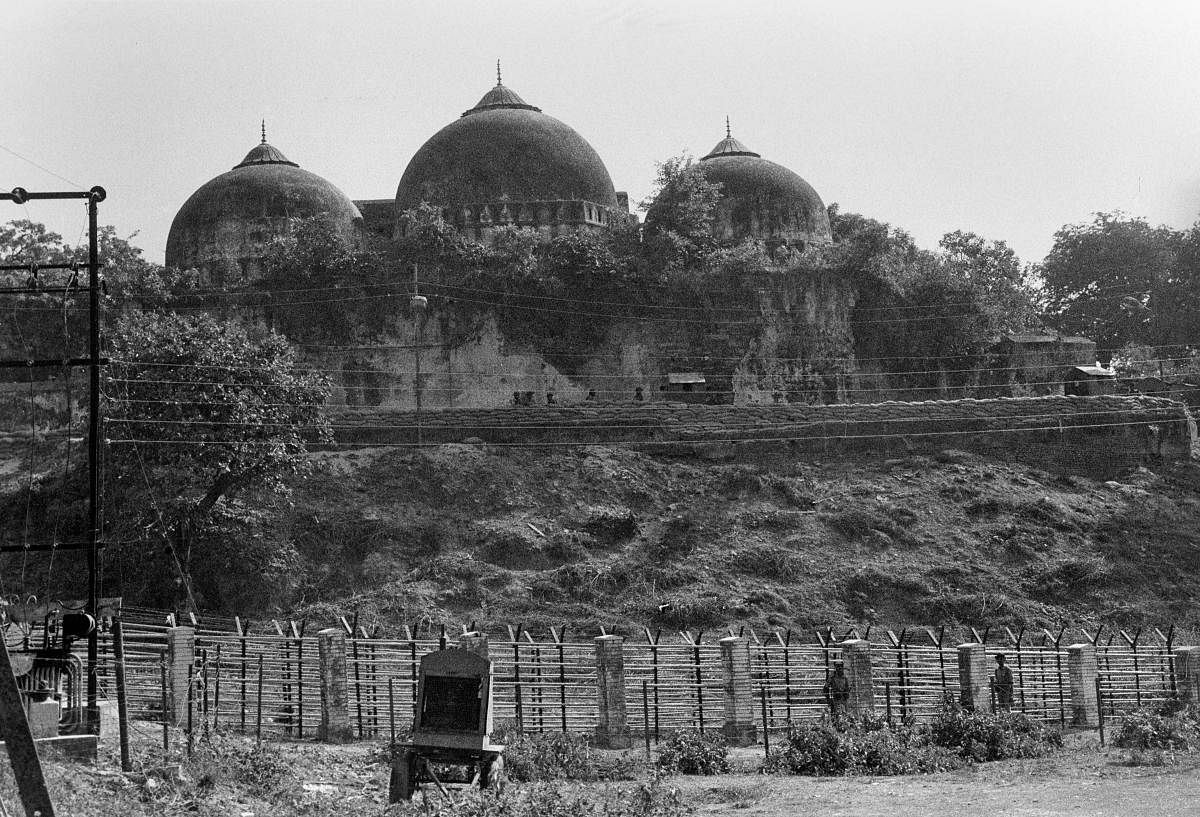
679 214
1112 280
319 288
200 410
1000 285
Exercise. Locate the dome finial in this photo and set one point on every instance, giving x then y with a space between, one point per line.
264 131
727 133
497 72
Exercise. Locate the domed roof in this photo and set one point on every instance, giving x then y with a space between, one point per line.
505 149
762 199
249 205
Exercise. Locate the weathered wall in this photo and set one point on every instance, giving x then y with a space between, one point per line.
1069 433
792 346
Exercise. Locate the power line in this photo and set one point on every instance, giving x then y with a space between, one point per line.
1169 412
698 439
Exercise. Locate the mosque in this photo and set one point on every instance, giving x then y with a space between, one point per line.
505 163
501 163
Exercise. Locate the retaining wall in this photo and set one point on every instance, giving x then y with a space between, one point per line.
1067 432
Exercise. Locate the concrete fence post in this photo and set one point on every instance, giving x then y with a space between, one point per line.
739 727
856 658
1081 670
1187 675
335 703
973 678
476 642
181 654
612 727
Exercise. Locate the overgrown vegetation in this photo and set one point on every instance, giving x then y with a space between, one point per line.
872 746
1156 736
651 798
689 751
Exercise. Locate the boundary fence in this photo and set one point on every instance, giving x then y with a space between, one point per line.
266 680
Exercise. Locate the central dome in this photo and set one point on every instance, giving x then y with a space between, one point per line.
501 154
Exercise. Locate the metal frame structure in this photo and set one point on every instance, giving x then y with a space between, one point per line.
92 362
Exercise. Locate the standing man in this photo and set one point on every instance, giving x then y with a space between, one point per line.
1002 682
837 694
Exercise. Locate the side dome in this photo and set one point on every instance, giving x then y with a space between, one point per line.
224 227
761 199
506 162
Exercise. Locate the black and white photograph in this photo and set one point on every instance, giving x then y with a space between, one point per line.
599 408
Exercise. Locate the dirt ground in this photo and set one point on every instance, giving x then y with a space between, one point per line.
1085 781
1082 781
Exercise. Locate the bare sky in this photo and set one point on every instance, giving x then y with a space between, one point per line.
1009 119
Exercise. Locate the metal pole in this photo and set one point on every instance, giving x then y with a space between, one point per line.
122 698
162 667
96 196
258 715
646 718
191 668
392 708
766 723
217 690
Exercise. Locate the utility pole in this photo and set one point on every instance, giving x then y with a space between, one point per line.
418 303
93 362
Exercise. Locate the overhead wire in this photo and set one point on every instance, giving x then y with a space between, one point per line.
696 439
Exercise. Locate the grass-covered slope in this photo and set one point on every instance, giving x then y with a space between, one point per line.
604 536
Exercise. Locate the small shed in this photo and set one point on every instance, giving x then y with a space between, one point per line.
686 387
1088 381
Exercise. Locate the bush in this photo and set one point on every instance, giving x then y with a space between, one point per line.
981 736
875 747
1145 729
262 770
811 749
690 752
871 747
547 756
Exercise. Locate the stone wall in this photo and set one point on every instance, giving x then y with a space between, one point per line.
1069 433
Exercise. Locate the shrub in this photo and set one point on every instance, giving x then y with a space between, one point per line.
1144 729
873 746
690 752
869 747
984 736
548 756
262 770
811 749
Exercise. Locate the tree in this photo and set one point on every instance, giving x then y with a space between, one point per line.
679 214
1112 280
199 410
1001 286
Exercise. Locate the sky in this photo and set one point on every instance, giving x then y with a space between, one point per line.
1009 119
